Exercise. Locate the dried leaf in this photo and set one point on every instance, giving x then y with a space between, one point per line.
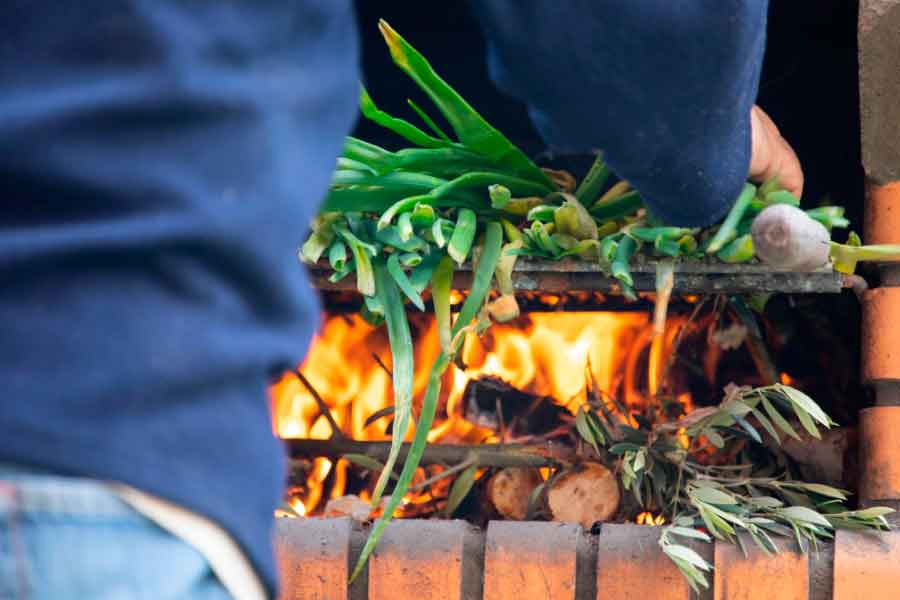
731 337
384 412
714 438
364 461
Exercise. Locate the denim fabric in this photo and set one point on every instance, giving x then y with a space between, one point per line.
66 538
160 162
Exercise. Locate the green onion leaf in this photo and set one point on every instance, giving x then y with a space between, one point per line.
396 271
402 369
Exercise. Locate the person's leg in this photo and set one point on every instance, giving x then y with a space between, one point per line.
64 537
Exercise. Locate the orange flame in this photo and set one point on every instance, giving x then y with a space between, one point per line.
544 354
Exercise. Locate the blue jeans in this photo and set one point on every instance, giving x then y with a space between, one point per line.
66 538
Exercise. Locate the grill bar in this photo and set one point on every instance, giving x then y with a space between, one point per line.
693 277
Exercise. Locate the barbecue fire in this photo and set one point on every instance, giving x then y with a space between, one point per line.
541 355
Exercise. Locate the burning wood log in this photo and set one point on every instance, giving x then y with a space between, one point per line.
489 401
587 494
510 489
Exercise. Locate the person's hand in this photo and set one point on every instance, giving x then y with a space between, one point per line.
772 155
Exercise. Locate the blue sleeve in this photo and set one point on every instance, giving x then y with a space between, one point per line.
663 88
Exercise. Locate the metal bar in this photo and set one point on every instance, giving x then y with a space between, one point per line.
690 277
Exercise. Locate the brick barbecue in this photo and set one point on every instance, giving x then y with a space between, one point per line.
447 559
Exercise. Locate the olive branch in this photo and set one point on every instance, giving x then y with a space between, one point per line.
671 468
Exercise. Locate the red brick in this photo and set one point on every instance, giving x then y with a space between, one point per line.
525 561
783 576
313 558
866 566
630 564
426 560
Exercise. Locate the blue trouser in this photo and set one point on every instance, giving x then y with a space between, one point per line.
66 538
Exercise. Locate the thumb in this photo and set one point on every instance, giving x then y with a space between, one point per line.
771 155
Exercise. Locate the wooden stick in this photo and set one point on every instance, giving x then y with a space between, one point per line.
323 408
486 455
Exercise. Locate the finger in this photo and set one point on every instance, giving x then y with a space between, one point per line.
772 155
789 171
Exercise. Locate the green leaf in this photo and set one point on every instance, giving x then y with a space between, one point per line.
694 577
422 215
401 127
463 235
405 226
798 398
460 489
820 488
421 274
470 127
417 448
533 499
365 278
767 424
336 276
688 532
481 282
440 296
480 180
390 236
640 459
623 447
589 188
478 292
374 157
500 196
806 515
396 271
410 259
867 513
712 496
337 255
441 231
428 121
584 429
600 433
726 231
766 502
402 360
688 555
717 527
777 418
807 422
